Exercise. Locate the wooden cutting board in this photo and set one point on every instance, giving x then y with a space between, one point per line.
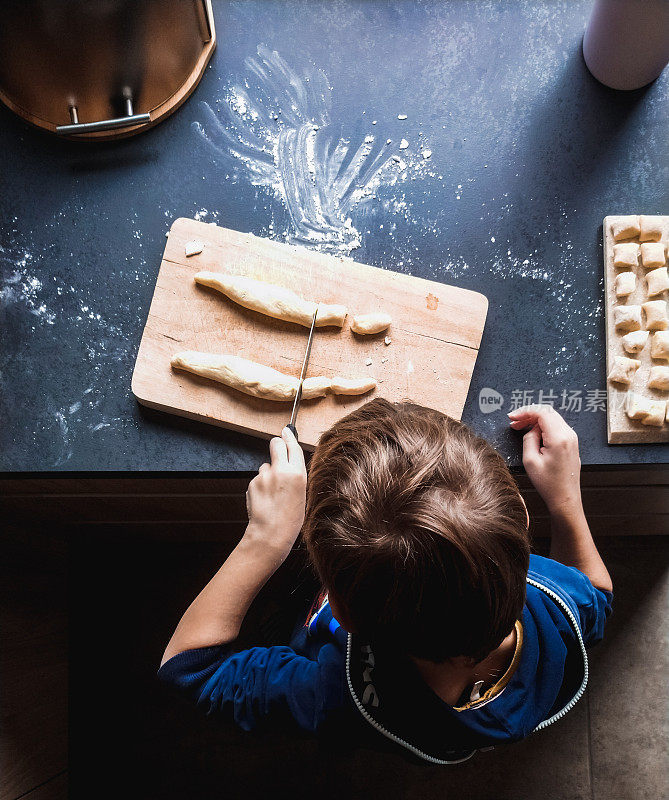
436 332
621 429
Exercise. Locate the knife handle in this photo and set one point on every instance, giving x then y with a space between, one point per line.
292 428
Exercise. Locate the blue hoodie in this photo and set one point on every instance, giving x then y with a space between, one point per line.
327 676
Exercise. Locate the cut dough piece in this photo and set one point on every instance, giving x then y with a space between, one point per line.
650 228
656 413
193 248
656 315
623 370
274 301
659 378
636 406
248 376
352 385
658 281
625 284
625 255
635 341
659 345
652 255
627 318
625 227
370 323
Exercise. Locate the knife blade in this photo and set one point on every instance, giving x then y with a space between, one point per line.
303 372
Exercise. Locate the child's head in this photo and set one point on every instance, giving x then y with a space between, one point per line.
416 528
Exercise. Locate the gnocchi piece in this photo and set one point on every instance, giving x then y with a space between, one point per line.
352 385
370 323
625 227
625 255
625 284
656 315
652 255
623 370
658 281
627 318
656 412
650 228
193 248
635 341
659 345
636 405
659 378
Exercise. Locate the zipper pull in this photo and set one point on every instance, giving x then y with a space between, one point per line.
476 692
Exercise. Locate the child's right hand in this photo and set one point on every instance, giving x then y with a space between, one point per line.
550 456
275 499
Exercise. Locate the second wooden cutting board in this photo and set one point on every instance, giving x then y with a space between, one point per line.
436 333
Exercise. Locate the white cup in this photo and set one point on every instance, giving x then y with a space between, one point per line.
626 43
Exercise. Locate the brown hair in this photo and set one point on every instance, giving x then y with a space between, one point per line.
417 529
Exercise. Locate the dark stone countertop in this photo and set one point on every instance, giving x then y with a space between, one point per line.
528 154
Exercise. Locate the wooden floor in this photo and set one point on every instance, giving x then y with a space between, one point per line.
86 609
33 665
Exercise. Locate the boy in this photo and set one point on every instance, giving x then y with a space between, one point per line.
439 630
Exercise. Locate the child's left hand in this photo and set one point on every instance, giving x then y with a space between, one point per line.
276 497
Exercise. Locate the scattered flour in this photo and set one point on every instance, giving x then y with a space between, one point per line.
276 126
31 287
19 286
65 453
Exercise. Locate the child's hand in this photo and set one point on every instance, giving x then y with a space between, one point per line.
550 456
276 497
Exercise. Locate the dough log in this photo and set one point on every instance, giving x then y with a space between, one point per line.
248 376
271 300
370 323
259 380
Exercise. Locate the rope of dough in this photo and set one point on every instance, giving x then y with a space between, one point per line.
273 301
262 381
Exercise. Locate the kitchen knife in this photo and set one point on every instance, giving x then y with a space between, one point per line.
305 364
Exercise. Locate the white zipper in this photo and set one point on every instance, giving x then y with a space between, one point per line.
380 727
576 627
398 740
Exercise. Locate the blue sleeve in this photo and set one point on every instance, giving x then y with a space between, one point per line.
259 684
593 604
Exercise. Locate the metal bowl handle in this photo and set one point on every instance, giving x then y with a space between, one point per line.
127 121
